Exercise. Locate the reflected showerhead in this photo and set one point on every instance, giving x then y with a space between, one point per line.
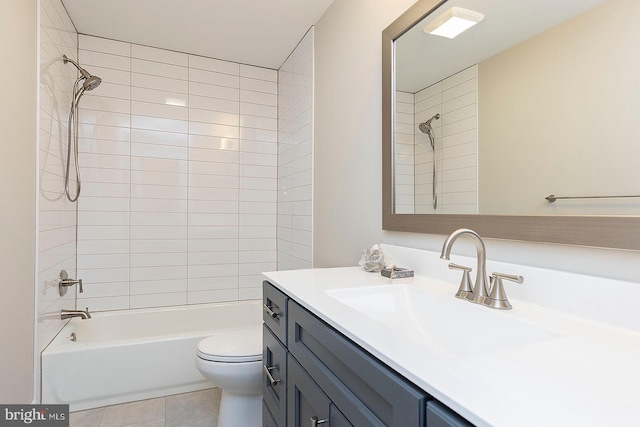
425 127
90 82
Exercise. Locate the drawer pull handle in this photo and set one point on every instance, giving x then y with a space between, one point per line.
315 421
274 382
269 311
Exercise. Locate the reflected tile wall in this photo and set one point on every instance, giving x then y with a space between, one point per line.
56 215
404 158
295 158
455 98
179 157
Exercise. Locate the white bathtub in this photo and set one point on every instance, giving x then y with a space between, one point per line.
122 356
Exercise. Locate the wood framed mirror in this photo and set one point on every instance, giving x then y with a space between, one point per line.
601 126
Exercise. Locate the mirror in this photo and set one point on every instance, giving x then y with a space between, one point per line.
538 99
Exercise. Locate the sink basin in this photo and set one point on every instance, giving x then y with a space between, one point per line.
450 324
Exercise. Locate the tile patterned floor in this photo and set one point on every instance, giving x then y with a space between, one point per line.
196 409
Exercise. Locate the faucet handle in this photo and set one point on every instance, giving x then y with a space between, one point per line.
465 290
498 297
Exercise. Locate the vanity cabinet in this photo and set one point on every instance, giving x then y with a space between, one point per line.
316 376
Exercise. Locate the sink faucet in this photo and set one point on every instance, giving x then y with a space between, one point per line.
68 314
480 294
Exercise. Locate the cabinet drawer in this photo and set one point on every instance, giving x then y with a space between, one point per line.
305 399
274 357
275 310
439 415
367 392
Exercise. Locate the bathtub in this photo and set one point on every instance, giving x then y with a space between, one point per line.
128 355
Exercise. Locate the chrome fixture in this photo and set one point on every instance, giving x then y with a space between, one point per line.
269 310
315 422
497 297
465 290
64 282
68 314
427 129
89 82
478 294
267 370
552 198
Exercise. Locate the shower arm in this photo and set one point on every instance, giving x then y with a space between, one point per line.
84 72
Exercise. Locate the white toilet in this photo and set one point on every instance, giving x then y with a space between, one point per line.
232 360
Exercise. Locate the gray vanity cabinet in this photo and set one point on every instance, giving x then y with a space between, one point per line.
367 392
267 418
274 390
439 415
316 376
274 356
308 401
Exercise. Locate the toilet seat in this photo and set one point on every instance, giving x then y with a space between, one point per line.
232 346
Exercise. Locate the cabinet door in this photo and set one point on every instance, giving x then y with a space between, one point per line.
267 419
337 418
274 393
305 400
439 415
367 392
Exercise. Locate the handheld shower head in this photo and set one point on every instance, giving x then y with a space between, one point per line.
90 82
425 127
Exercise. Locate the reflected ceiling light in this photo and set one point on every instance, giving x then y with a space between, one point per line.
175 102
453 22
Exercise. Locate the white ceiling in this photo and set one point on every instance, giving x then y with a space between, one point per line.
255 32
423 59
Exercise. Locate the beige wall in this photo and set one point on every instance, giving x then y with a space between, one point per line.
347 154
561 109
347 128
17 183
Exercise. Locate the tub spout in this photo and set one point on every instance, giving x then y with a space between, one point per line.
68 314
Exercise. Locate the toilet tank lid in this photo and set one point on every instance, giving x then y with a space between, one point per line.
230 344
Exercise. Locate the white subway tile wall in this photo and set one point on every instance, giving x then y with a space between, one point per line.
295 157
404 159
455 98
56 215
179 167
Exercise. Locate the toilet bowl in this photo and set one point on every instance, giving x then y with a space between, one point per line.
232 360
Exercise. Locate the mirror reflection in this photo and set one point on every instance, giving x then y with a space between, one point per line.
537 99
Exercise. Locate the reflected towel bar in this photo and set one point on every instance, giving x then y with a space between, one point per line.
552 198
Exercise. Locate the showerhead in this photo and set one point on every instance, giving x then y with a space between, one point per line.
90 82
425 127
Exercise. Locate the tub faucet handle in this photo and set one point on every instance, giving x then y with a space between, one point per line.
64 282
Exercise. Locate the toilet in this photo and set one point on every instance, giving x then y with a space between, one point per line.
232 360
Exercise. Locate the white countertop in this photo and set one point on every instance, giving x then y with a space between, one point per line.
582 371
